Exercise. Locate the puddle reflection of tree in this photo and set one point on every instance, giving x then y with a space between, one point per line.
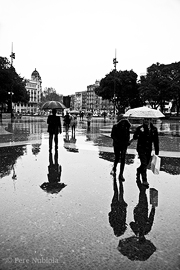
9 155
110 157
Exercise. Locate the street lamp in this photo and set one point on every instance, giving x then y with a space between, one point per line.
114 97
10 107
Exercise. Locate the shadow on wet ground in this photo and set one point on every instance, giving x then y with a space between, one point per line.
65 211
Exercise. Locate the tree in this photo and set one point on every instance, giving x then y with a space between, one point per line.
121 85
12 87
155 86
174 75
49 94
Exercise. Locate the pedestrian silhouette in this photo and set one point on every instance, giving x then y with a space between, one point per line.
54 176
89 118
146 134
67 120
73 125
142 223
138 247
117 216
54 128
120 134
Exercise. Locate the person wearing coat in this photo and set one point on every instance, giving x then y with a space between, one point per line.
146 135
120 134
54 128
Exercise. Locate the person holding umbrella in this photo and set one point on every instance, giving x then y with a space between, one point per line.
54 128
146 135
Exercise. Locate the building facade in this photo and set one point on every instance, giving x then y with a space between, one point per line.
80 101
34 88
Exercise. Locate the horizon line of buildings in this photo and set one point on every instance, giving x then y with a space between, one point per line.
85 100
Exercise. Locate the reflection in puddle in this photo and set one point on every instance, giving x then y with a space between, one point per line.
9 155
169 165
138 247
54 176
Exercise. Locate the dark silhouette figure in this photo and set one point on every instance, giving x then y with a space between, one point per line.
81 114
67 120
145 135
120 134
89 118
138 247
73 125
54 128
117 216
54 176
142 223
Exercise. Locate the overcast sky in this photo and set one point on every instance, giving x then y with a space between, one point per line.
72 43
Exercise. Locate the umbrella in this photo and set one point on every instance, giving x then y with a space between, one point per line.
143 112
53 105
52 187
136 250
73 112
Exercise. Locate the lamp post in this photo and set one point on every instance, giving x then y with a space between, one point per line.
114 97
10 106
11 93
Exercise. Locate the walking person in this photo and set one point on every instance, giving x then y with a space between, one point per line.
54 128
89 118
146 135
120 134
67 120
73 125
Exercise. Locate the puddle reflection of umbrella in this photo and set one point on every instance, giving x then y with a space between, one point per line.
135 249
52 187
53 105
143 112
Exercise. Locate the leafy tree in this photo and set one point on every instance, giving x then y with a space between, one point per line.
49 94
120 87
155 86
174 76
12 85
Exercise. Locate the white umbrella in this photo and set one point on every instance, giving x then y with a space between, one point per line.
53 105
143 112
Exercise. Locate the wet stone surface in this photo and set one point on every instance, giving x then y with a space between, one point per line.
88 220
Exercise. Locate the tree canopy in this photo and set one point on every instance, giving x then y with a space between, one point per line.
161 84
11 84
50 94
121 85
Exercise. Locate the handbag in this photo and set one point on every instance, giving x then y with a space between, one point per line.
155 164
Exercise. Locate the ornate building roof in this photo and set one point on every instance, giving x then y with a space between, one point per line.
35 75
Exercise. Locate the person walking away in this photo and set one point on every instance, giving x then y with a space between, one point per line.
89 117
120 134
73 125
67 120
54 128
146 135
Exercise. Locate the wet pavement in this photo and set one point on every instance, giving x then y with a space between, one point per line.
87 219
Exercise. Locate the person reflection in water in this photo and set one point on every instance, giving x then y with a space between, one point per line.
54 169
142 223
54 128
54 175
117 216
